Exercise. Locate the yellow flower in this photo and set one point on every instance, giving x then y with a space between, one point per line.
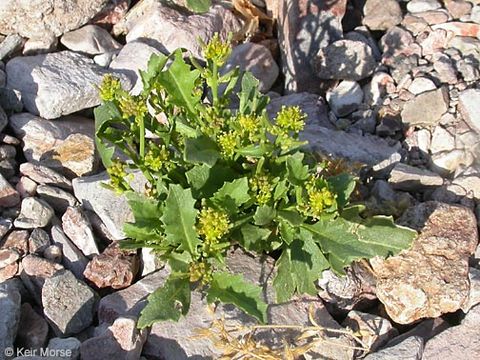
217 50
158 158
291 118
200 271
249 125
109 87
262 188
118 174
132 106
212 225
228 143
319 200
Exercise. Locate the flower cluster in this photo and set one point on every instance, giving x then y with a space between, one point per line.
213 225
157 158
250 126
262 188
291 118
132 106
320 198
228 143
200 271
216 50
118 174
109 87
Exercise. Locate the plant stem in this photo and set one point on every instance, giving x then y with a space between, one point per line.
142 137
215 84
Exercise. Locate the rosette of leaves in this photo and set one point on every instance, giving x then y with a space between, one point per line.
221 176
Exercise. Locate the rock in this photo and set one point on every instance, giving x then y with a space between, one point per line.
34 213
344 293
345 60
469 107
432 17
122 340
90 39
38 241
77 227
44 175
474 293
26 187
10 302
460 28
35 271
434 104
53 253
104 60
8 195
409 349
43 45
99 227
258 60
68 303
445 69
3 119
442 140
408 178
415 6
458 8
113 12
56 84
38 19
420 85
150 262
470 185
111 208
70 345
32 330
58 199
345 98
17 239
5 226
375 330
381 15
303 29
385 201
311 104
457 342
113 268
431 278
399 48
446 163
66 144
8 264
11 44
73 258
130 301
133 57
170 28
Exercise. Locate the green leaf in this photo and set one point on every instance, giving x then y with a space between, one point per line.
199 6
179 81
201 150
255 150
147 225
297 172
281 190
233 289
167 303
292 216
251 100
264 215
206 180
350 237
299 266
343 185
156 63
254 237
179 219
232 195
103 113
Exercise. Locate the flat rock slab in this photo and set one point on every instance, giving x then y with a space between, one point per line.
431 278
409 349
58 83
10 302
433 104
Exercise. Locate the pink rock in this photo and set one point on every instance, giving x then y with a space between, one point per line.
458 8
17 239
112 13
460 28
436 41
8 272
26 187
8 195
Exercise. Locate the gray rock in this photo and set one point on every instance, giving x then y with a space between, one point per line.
457 342
420 85
10 45
90 39
470 185
345 60
169 29
474 293
68 303
36 19
38 241
433 104
469 107
122 340
409 349
56 84
73 258
70 345
345 98
408 178
258 60
445 69
58 199
44 175
3 119
381 15
111 208
77 227
35 271
34 213
447 162
303 29
32 330
10 302
43 45
8 195
133 57
53 253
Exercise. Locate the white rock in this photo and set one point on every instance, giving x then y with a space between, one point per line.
408 178
34 213
90 39
59 199
420 85
470 184
44 175
445 163
415 6
442 140
77 227
345 98
43 45
133 57
170 28
56 84
474 294
469 107
258 60
8 195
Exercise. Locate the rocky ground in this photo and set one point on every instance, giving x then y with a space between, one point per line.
393 85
